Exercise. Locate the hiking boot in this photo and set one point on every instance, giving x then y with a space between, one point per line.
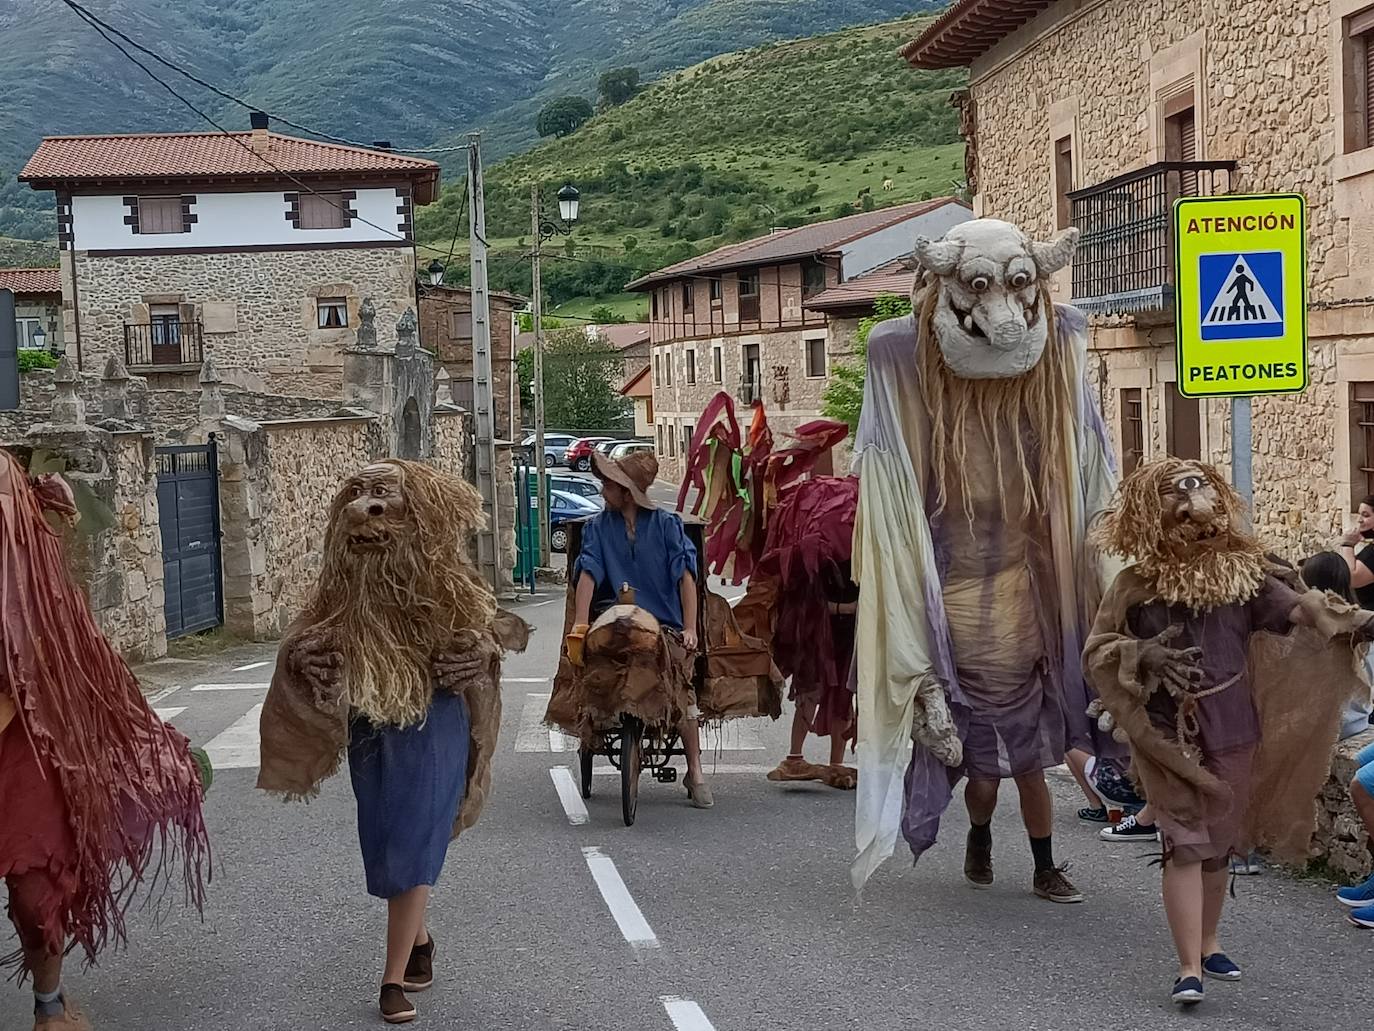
70 1019
978 860
395 1007
420 969
1053 885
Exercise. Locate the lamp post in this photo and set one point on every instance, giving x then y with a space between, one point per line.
436 272
39 338
569 202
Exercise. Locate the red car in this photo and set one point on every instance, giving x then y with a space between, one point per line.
579 455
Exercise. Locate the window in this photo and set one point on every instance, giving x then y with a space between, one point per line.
1182 424
1132 430
813 277
28 329
815 358
324 211
1361 443
688 297
691 368
461 325
1180 138
160 215
332 312
672 442
715 364
1358 55
653 304
688 432
716 292
658 377
659 429
749 297
668 369
1063 180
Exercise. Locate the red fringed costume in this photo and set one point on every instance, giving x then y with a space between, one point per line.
94 789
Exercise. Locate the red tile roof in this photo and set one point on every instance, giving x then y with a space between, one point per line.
234 155
31 280
790 244
638 385
969 29
861 291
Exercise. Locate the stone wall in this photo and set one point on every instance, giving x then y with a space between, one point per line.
258 309
441 318
37 392
1342 840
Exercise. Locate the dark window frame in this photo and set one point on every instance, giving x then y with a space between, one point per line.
324 305
812 343
1132 401
1361 443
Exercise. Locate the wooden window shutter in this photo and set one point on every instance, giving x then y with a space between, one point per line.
1187 137
1369 89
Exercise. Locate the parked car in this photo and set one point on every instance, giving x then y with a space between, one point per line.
564 508
579 453
629 447
608 445
582 486
555 447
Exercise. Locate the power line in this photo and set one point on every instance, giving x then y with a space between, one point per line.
103 27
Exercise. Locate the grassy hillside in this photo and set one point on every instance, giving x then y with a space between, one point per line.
26 253
411 71
777 135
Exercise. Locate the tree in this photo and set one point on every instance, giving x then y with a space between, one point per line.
563 116
844 397
617 86
605 315
524 369
582 375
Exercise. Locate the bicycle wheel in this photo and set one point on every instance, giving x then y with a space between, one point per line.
631 756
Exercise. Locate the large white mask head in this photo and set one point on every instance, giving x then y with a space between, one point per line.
990 281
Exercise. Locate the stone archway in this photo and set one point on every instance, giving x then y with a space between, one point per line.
410 430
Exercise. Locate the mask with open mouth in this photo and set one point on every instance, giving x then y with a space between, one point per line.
990 315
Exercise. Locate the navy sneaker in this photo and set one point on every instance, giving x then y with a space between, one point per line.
1357 896
1187 991
1218 967
1090 815
1362 917
1129 829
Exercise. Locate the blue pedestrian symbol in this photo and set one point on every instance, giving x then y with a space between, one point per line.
1241 295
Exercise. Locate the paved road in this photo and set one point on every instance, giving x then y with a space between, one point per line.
738 919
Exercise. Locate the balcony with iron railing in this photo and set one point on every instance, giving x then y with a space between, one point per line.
163 344
1125 258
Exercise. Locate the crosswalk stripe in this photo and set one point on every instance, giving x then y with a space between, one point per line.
231 687
170 713
238 747
533 736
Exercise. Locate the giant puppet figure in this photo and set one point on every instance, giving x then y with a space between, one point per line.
982 459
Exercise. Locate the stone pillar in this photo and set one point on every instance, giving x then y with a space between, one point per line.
212 409
443 388
505 519
248 597
115 392
67 407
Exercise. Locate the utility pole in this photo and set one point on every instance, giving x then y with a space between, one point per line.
488 542
537 303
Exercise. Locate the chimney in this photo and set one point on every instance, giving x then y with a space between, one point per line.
381 145
259 140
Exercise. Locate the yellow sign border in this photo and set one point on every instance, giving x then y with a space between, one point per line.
1179 206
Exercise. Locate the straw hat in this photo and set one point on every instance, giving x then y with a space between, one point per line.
635 472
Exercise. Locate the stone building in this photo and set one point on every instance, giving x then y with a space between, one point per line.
639 388
253 246
37 306
446 330
737 319
1099 113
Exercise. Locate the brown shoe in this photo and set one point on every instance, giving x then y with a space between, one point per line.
70 1019
978 861
794 767
420 970
1053 885
395 1007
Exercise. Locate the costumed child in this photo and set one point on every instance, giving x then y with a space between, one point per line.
395 661
1230 724
96 792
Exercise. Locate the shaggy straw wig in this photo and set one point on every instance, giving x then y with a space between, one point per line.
1202 574
389 612
1031 410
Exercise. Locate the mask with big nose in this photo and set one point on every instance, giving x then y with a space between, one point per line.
1191 506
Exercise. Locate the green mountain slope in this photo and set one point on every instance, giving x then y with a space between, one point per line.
778 135
411 71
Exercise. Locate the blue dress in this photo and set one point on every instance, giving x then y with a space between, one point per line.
653 564
409 783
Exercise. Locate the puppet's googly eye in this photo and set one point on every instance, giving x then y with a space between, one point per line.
979 283
1020 281
1190 483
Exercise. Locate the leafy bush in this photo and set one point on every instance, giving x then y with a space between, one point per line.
844 396
31 359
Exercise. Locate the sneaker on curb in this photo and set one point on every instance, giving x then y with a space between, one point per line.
1188 991
1357 895
1090 815
1362 917
395 1007
1219 967
978 862
1053 885
1129 829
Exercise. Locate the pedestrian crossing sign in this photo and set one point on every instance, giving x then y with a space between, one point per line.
1240 295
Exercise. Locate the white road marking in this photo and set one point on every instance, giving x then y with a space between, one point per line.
732 736
533 735
541 604
756 769
628 918
231 687
526 680
239 747
164 693
569 795
685 1014
169 714
561 742
251 665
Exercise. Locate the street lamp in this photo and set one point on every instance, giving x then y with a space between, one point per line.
569 201
436 272
39 338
